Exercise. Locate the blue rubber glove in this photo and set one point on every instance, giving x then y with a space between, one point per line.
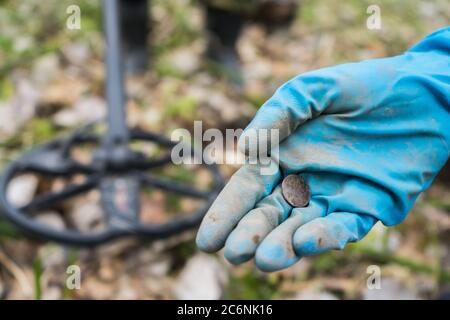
367 137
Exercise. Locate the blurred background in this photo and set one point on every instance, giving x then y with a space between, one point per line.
51 82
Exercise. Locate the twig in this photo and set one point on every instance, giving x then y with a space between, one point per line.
17 273
415 266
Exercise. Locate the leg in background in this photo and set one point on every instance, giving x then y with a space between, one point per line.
135 28
223 28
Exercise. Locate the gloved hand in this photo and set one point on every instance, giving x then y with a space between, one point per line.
367 137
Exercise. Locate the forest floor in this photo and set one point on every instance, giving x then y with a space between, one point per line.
51 81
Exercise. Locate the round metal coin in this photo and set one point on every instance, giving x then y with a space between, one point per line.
295 191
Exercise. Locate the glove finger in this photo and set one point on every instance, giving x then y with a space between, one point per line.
331 232
245 188
255 226
276 251
294 103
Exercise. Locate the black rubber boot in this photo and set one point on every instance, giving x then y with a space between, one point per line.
223 28
134 17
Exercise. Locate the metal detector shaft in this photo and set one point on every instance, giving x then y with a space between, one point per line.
115 96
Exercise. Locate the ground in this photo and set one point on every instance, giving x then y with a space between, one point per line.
51 81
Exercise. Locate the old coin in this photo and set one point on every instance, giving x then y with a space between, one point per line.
295 191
